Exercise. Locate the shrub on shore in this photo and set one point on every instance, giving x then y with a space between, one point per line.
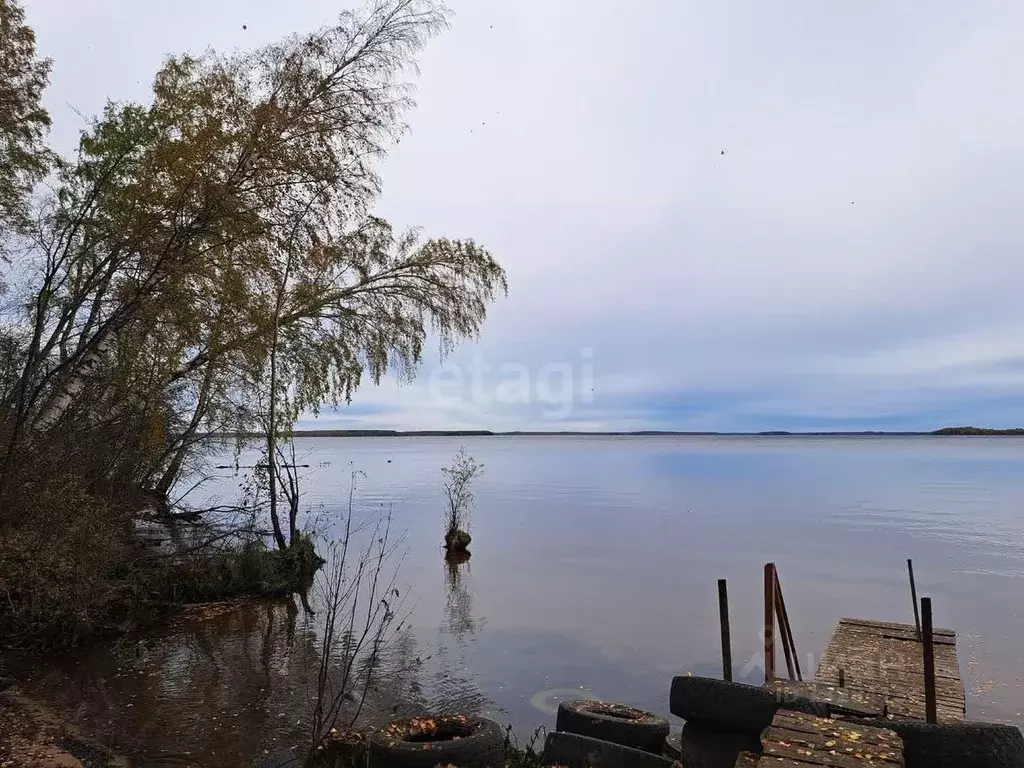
252 569
73 568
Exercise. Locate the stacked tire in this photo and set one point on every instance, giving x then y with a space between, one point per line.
733 706
601 734
617 723
724 719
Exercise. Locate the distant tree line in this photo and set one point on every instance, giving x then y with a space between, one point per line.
977 431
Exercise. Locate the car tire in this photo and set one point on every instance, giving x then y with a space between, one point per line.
617 723
734 706
935 745
423 742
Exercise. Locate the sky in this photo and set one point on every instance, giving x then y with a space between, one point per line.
718 215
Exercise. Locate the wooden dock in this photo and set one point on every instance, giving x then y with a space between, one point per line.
871 671
796 740
877 657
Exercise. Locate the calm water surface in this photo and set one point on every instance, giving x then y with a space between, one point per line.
594 562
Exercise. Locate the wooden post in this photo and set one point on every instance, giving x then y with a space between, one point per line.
723 616
769 622
842 678
931 714
913 595
786 631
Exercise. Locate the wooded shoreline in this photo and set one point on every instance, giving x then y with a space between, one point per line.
944 432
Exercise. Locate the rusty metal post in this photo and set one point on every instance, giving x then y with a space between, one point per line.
913 595
723 616
931 715
787 651
769 622
786 631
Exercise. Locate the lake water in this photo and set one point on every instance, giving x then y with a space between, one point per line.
594 566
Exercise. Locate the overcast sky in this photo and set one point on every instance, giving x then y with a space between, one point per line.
714 216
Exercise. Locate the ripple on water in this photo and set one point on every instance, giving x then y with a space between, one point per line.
548 701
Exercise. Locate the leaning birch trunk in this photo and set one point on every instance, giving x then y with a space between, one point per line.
52 412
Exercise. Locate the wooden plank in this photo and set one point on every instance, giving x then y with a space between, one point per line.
854 757
786 719
829 729
865 644
846 701
891 673
889 667
897 633
892 625
746 760
800 740
868 678
889 634
892 655
913 706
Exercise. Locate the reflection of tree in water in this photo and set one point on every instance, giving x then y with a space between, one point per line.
226 681
454 687
396 690
215 687
459 604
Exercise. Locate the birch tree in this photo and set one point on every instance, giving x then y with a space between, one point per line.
161 254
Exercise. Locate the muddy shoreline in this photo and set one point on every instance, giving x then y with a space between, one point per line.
213 684
32 735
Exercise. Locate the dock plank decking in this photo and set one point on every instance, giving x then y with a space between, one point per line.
796 740
886 658
842 701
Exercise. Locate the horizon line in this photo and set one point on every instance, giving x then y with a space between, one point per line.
963 431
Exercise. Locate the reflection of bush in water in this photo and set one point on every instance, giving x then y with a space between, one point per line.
453 687
396 689
459 604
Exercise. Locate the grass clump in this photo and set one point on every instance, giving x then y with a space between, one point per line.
523 755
